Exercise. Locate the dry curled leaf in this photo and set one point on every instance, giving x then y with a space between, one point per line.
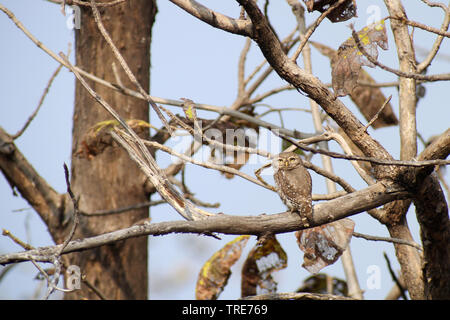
215 272
324 244
368 99
189 109
97 138
343 12
347 63
265 258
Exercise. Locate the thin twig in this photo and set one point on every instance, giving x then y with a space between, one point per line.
375 117
5 270
436 45
422 26
269 93
116 74
241 66
201 203
387 239
122 209
190 195
329 175
313 28
277 110
436 4
41 101
76 218
394 277
216 19
208 165
93 288
348 151
24 245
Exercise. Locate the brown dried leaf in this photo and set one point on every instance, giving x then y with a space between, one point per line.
323 245
367 99
343 12
215 272
347 63
97 138
265 258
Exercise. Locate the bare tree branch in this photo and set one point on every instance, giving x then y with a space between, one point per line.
436 45
422 26
32 187
387 239
106 212
324 212
432 215
215 19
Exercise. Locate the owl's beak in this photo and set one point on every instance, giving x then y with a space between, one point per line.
286 163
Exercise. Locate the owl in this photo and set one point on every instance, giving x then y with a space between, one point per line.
294 184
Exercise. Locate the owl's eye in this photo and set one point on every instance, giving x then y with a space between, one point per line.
292 159
280 160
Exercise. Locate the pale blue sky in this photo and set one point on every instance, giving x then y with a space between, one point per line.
192 60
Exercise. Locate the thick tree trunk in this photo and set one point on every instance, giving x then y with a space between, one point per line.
109 179
432 214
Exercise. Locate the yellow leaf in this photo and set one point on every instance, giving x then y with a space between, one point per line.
215 272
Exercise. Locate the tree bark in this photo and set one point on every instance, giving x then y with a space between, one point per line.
409 259
110 179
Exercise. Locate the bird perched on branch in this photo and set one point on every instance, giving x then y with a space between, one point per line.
294 184
323 244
